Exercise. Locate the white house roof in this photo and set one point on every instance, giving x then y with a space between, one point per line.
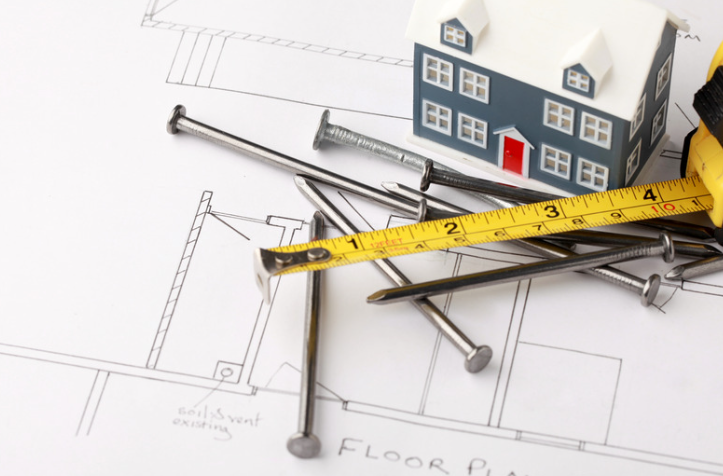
534 41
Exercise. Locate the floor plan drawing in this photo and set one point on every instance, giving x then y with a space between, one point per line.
310 61
570 391
134 340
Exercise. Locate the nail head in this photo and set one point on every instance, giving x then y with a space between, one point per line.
177 112
303 445
323 122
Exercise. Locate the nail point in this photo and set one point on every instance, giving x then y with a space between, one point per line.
676 273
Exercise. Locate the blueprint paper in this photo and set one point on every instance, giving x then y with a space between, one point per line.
133 339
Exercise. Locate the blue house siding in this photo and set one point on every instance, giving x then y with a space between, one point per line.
516 104
652 106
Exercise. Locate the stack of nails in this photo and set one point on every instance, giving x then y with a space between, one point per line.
421 206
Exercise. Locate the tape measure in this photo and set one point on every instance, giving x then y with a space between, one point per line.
612 207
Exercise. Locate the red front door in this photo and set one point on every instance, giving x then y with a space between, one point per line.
513 155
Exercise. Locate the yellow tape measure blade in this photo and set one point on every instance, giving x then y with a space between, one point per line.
612 207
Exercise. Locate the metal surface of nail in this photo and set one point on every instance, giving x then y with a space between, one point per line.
696 268
179 122
433 174
647 289
304 443
662 247
476 357
604 238
327 132
691 230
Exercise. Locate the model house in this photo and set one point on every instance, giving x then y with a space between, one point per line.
570 93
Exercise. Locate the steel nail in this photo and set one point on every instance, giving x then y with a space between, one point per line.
327 132
647 289
433 174
604 238
476 357
662 247
178 121
304 443
696 268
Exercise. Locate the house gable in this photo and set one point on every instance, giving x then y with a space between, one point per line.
586 64
467 15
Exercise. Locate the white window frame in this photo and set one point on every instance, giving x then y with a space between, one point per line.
469 127
561 161
658 122
432 64
596 171
596 130
633 162
561 114
639 117
479 85
455 35
663 78
578 80
440 114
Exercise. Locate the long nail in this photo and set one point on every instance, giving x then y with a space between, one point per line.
595 237
696 268
647 289
476 357
179 122
304 443
662 247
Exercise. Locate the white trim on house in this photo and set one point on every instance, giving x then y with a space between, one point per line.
663 77
591 175
596 130
631 30
472 130
555 161
515 134
455 36
474 85
438 72
639 117
658 122
633 162
436 117
578 80
559 117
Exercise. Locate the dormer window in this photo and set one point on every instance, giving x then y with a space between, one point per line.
579 81
454 34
